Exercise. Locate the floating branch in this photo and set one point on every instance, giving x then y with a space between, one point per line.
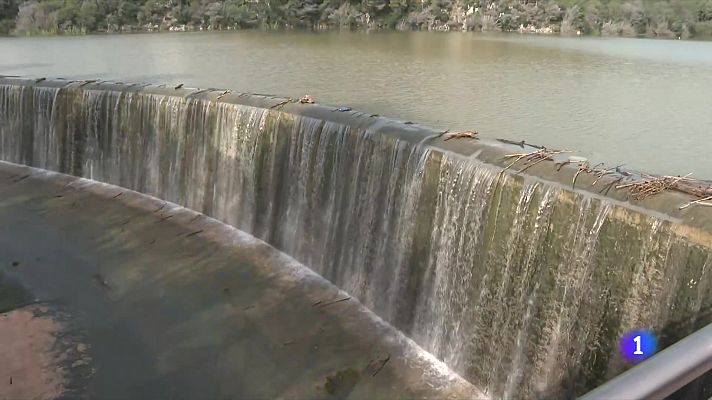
640 190
198 91
599 171
533 158
520 156
694 187
603 172
461 134
583 167
223 94
610 185
86 82
520 143
280 104
702 202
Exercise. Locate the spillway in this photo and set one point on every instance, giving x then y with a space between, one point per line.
517 281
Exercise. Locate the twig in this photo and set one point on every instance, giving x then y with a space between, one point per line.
225 93
520 156
383 364
321 304
533 158
544 157
289 100
583 166
520 143
698 201
608 187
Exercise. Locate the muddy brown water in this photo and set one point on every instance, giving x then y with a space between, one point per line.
641 102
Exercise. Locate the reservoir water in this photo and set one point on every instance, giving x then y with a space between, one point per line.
643 103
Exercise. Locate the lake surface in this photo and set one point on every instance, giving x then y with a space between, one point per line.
643 103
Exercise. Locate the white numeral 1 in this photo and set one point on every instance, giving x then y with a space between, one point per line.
637 346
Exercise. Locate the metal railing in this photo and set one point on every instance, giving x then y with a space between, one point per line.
662 374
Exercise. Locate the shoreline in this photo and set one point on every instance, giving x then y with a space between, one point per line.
325 30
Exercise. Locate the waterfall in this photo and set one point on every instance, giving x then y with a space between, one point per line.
521 285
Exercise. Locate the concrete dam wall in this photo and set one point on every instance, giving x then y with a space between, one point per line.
107 293
517 281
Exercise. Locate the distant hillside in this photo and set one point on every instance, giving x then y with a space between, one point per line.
651 18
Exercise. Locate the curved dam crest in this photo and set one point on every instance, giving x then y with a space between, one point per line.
130 296
516 281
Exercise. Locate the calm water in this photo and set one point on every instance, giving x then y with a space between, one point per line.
645 103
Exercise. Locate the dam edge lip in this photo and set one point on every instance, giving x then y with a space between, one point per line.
488 151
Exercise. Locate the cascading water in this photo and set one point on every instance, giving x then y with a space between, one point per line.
520 285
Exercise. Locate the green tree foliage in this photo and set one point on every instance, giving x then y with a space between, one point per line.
8 12
652 18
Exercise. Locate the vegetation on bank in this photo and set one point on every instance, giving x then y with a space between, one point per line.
651 18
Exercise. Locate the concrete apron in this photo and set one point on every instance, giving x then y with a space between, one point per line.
106 292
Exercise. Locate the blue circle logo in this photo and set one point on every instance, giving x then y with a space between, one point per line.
638 345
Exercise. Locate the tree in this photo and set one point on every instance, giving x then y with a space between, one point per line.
593 16
34 17
87 16
8 11
573 21
633 13
617 17
704 13
127 12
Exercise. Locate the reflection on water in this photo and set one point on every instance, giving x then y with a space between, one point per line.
641 102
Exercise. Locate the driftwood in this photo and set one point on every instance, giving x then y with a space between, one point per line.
694 187
321 303
521 143
641 187
280 104
533 158
306 99
702 202
459 135
650 186
583 167
86 82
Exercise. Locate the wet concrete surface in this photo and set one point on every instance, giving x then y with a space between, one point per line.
32 368
152 300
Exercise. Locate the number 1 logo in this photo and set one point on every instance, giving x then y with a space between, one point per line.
637 351
638 345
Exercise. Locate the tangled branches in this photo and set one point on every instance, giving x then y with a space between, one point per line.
533 158
639 185
642 189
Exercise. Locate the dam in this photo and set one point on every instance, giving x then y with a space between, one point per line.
517 284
